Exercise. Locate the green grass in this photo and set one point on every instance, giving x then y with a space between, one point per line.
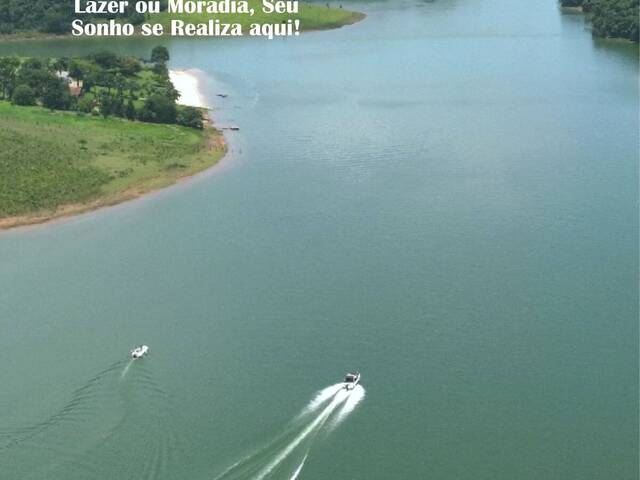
312 17
52 159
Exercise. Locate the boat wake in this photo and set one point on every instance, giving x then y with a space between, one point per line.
286 455
126 369
300 467
97 433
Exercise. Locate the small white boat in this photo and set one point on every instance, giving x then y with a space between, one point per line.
351 380
140 351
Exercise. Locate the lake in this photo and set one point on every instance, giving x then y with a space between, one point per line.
443 196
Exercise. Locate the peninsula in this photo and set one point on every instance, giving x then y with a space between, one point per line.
82 133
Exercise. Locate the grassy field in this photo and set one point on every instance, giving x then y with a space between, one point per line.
55 163
312 17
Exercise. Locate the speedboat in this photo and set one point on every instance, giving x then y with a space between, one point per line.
140 351
351 380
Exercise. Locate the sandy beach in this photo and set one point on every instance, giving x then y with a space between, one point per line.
188 84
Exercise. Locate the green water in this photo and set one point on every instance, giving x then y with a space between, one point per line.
444 196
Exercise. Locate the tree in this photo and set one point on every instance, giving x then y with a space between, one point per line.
130 110
108 105
23 95
8 69
33 64
61 64
55 95
129 66
57 23
189 117
105 59
120 83
76 71
160 54
37 79
160 69
158 109
611 18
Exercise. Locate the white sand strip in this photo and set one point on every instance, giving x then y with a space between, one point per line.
188 85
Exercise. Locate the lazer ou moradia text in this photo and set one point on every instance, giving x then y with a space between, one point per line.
180 28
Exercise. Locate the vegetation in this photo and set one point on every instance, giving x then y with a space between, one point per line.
99 84
611 18
312 17
49 160
61 146
24 95
28 17
49 16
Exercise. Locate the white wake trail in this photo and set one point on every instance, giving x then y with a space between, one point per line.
322 396
355 397
299 469
339 397
126 369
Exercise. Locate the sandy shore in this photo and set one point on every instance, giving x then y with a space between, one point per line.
188 84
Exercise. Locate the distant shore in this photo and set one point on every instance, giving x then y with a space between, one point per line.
313 17
213 149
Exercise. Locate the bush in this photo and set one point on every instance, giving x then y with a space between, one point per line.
158 109
160 54
189 117
23 95
56 96
85 104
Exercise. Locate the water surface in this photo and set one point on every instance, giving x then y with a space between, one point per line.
443 196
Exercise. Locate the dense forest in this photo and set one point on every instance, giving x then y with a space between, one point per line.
99 84
49 16
611 18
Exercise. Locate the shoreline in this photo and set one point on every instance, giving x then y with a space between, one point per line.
31 36
188 85
65 212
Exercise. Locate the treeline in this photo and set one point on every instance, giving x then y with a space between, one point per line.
99 84
611 18
49 16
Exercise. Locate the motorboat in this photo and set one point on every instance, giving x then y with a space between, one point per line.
351 380
139 351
